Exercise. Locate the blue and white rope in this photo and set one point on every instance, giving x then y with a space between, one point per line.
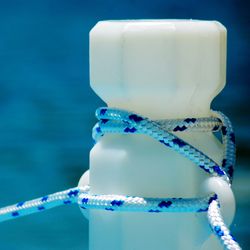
41 204
219 228
121 121
124 122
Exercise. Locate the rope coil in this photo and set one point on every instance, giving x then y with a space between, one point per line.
121 121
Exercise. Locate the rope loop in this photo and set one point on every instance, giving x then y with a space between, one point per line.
113 120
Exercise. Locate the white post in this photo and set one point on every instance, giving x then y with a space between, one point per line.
162 69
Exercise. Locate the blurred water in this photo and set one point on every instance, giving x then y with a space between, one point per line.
47 107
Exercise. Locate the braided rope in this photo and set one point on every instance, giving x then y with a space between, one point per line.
124 122
69 196
219 228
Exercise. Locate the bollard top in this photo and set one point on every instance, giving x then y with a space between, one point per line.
159 68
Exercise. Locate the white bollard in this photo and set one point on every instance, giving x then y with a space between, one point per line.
161 69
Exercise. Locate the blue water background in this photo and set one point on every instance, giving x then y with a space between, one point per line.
47 107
